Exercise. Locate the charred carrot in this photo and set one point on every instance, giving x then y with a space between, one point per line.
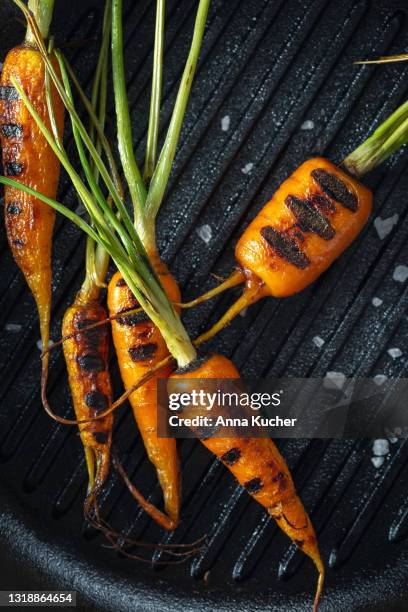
125 246
138 343
86 356
28 157
310 220
257 465
139 347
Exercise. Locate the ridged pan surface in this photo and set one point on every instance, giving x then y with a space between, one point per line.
276 84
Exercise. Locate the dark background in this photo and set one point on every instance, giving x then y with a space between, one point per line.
270 66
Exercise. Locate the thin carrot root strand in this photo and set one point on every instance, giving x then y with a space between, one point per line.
250 295
88 328
319 589
157 515
119 542
236 278
119 402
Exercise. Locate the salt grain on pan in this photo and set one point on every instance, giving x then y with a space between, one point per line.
12 327
334 380
40 346
318 341
205 233
376 302
377 461
307 125
400 274
394 353
247 169
243 312
384 226
379 379
381 447
225 123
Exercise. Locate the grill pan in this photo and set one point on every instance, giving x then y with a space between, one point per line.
275 68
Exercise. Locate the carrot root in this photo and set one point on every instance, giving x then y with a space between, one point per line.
236 278
252 293
157 515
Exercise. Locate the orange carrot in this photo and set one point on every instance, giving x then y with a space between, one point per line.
257 465
28 157
310 220
139 347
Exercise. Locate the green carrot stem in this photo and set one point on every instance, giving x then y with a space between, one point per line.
125 144
161 174
157 78
81 128
387 138
42 11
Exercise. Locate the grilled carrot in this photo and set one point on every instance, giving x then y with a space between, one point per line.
138 342
139 346
310 220
257 465
28 157
86 356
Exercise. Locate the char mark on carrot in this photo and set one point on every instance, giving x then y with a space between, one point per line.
13 168
91 363
309 218
8 93
253 486
231 457
13 208
144 352
97 400
12 130
335 188
100 437
285 247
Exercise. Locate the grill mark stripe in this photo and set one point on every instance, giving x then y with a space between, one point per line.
13 208
309 218
253 486
232 456
97 400
100 436
13 168
144 352
8 93
91 363
285 247
335 188
12 130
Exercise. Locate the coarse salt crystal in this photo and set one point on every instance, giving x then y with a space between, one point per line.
376 302
244 311
394 353
40 346
384 226
225 123
13 327
400 274
334 380
247 169
381 447
205 233
318 341
379 379
307 125
377 461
